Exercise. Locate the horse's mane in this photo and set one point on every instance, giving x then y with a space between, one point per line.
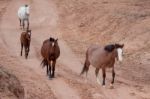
119 46
109 48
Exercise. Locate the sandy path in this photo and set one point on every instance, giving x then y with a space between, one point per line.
67 84
10 33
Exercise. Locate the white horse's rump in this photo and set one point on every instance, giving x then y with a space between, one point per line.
23 14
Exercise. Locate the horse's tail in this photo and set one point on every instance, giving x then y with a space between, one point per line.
85 67
44 63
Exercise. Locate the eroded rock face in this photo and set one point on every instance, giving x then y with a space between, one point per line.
10 86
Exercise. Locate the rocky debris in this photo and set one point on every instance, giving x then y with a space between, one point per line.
10 86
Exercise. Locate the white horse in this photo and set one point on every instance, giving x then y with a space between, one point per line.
23 14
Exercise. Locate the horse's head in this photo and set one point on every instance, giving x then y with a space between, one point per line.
28 35
54 41
119 50
27 8
26 5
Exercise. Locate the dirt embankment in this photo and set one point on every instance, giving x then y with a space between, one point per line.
10 86
110 21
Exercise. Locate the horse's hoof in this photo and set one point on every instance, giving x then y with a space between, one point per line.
111 86
50 78
103 86
99 82
53 76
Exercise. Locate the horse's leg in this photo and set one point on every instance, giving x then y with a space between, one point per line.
104 75
28 24
113 76
53 68
87 68
28 45
49 64
20 21
26 52
23 24
47 69
28 48
96 73
21 49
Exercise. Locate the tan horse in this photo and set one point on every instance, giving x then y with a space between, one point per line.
50 51
25 39
102 57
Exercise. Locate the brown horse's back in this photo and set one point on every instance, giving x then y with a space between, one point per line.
98 57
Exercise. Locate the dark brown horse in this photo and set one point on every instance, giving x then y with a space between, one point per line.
50 51
102 57
25 42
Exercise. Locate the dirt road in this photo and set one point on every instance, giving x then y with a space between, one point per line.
68 84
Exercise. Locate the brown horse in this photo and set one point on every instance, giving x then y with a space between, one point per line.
102 57
50 51
25 42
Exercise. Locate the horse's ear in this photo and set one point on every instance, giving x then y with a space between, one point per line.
122 45
26 5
